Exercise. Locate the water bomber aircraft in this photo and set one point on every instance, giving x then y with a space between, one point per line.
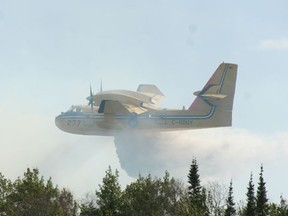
110 112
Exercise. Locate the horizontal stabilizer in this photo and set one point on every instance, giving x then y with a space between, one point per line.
216 96
210 93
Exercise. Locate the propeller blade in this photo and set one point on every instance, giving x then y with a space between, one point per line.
91 94
91 99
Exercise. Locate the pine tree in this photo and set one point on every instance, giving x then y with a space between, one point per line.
250 209
193 180
196 194
261 198
230 205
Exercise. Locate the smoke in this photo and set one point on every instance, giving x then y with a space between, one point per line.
143 153
222 154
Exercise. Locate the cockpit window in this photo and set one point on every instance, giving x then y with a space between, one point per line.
74 109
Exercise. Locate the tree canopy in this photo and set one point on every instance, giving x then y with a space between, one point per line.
31 194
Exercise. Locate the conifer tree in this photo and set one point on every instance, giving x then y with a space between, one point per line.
230 205
250 209
193 180
196 194
261 198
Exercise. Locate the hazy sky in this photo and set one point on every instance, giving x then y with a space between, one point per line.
50 52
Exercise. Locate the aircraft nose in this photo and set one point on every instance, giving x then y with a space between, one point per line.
58 121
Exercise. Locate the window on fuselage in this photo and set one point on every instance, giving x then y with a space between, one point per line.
74 109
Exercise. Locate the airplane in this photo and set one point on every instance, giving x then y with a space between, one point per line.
114 111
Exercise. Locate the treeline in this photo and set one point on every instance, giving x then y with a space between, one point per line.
32 195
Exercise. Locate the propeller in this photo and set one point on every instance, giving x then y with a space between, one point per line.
91 99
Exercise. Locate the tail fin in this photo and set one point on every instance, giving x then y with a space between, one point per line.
217 95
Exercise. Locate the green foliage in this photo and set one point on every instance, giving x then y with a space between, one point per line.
6 189
283 207
197 194
109 197
88 206
149 196
30 195
68 206
279 210
230 205
194 180
250 209
145 196
261 197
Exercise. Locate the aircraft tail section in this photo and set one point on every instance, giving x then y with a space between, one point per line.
216 97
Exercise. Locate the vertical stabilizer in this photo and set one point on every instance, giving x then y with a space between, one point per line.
216 97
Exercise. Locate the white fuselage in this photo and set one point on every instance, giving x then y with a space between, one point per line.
93 123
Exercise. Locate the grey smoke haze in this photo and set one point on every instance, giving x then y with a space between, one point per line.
144 153
141 153
222 154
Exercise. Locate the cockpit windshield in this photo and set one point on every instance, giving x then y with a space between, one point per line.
74 109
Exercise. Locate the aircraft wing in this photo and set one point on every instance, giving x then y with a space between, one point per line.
124 101
113 107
